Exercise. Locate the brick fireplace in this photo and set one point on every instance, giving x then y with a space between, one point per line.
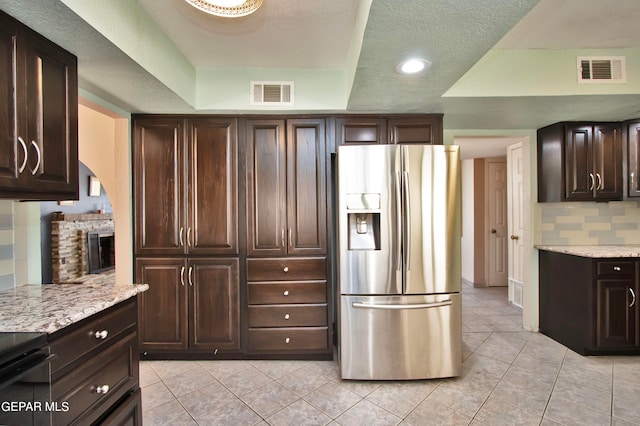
69 248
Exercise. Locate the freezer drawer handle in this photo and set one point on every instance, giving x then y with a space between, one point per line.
401 307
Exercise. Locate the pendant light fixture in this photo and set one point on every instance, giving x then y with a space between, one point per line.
227 8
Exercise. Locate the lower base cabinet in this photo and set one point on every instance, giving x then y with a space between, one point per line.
96 370
192 305
590 304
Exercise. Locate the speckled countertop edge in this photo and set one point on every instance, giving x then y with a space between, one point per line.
50 307
595 251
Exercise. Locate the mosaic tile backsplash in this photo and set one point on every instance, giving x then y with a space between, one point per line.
589 223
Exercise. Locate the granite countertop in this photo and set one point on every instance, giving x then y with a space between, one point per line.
596 251
48 308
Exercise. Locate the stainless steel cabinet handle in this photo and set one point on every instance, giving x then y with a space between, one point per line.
617 268
102 389
191 276
181 240
285 269
592 181
101 334
26 155
633 296
599 186
286 292
282 236
401 307
189 242
286 316
632 179
182 276
290 238
37 167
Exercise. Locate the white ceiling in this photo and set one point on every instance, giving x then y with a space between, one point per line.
315 35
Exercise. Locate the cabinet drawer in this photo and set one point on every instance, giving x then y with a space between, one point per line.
287 315
286 339
98 330
99 381
265 293
287 268
616 268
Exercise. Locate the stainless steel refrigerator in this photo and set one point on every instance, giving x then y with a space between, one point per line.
399 271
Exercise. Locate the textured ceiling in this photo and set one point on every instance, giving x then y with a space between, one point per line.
315 35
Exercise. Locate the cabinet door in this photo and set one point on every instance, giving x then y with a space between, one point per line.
158 168
360 130
616 313
633 134
306 187
213 187
424 130
607 156
266 187
11 153
579 178
52 116
214 304
162 311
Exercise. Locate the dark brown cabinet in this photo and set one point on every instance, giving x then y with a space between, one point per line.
366 129
96 369
286 187
185 177
38 116
191 304
590 304
580 162
633 139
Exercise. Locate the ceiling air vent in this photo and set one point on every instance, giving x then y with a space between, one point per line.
601 69
272 93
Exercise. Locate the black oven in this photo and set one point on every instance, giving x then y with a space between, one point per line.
25 379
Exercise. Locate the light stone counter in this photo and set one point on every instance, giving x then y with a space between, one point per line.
50 307
596 251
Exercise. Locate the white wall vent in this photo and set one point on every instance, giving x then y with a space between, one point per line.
602 69
272 93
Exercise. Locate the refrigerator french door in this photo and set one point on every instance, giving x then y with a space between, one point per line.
399 271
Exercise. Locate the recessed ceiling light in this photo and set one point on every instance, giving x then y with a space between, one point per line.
413 66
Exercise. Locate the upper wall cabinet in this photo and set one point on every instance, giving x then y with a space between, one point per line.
185 177
580 162
286 187
368 129
38 116
633 136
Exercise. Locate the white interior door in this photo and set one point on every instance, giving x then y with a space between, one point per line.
515 166
497 226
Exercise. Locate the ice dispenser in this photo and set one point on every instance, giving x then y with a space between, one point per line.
363 211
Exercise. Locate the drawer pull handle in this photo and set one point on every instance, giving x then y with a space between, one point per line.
101 334
617 268
286 269
102 389
287 340
286 316
286 292
633 295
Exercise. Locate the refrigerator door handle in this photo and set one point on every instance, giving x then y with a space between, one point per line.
359 305
406 219
399 239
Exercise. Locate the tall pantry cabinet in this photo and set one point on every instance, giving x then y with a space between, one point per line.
186 233
287 268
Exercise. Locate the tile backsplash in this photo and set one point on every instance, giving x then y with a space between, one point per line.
7 266
588 223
